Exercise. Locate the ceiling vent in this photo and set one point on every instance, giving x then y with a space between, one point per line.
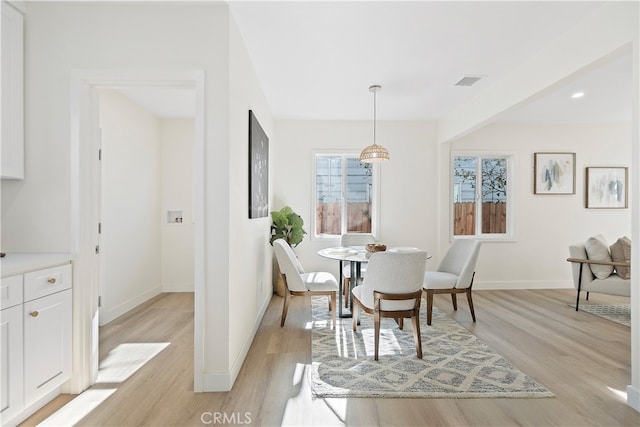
468 81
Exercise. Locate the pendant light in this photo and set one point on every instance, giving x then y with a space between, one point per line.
374 153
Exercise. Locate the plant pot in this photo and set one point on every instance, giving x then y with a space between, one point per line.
278 281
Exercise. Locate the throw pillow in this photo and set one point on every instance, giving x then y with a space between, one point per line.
597 250
621 252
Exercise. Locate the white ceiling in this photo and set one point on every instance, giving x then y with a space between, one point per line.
316 59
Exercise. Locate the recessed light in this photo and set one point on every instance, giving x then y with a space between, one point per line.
577 95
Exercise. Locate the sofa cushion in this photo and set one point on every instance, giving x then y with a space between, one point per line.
621 252
597 250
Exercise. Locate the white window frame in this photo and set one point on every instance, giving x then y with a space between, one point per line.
511 158
375 193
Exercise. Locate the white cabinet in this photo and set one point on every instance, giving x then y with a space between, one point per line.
11 353
47 344
35 335
12 142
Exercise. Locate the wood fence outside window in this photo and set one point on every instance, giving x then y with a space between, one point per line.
329 218
494 218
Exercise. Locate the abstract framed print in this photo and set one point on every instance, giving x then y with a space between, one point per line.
554 173
607 188
258 169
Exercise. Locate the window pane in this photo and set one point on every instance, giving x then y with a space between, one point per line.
359 186
494 196
328 195
344 195
464 190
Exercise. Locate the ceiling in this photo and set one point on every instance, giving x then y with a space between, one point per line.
316 59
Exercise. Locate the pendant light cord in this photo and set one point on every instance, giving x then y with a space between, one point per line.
374 116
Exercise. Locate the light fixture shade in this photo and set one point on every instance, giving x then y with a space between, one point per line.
374 154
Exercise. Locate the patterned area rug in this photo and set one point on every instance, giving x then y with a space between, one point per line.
619 313
455 363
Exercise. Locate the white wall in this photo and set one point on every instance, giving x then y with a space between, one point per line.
408 182
130 240
249 254
176 160
415 196
62 37
545 225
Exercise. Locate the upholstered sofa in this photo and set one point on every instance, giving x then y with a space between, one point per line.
584 278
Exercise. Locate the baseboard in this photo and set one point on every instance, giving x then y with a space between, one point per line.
224 381
128 305
633 397
31 409
522 284
217 382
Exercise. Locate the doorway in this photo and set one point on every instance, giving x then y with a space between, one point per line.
86 178
146 223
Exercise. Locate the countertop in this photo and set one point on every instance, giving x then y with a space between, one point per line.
13 263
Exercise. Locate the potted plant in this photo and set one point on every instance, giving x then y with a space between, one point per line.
287 225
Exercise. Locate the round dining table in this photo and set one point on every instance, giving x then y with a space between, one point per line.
355 256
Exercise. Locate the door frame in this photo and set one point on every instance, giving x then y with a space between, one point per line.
85 209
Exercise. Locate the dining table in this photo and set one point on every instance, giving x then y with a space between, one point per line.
355 256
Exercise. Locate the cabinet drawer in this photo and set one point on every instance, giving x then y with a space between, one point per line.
10 291
46 282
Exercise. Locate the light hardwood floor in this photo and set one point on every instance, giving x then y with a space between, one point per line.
582 359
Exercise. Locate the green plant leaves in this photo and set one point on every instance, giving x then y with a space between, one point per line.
287 225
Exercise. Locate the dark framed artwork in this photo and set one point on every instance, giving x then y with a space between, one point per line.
554 173
606 188
258 169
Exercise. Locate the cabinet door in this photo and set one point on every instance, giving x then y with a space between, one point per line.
12 142
11 393
47 344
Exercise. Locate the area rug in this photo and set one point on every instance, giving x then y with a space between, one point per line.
455 363
619 313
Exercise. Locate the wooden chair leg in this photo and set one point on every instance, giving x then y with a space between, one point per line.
400 323
454 300
376 331
415 320
429 305
355 311
345 291
285 307
470 299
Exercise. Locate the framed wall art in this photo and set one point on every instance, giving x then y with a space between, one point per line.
554 173
606 188
258 169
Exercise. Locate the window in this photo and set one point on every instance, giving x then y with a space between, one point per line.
344 195
485 179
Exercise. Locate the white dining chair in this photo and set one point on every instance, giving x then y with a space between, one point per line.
299 282
393 288
454 275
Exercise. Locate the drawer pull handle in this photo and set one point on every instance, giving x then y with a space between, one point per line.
52 280
34 313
